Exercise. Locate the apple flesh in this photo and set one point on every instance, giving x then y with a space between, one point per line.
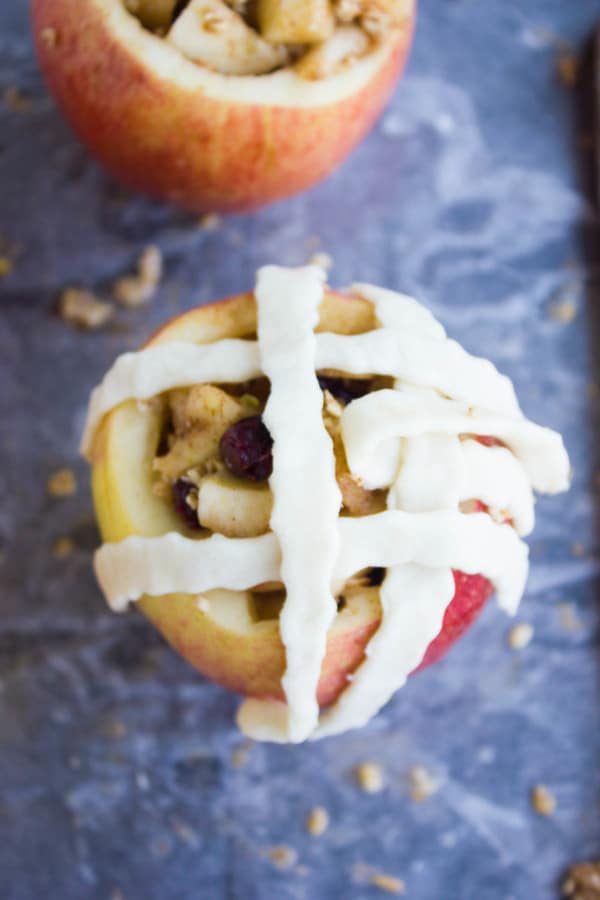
183 133
233 637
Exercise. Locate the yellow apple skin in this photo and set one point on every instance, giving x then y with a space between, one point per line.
247 658
171 138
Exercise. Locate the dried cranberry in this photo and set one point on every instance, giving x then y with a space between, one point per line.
376 576
345 389
246 449
181 491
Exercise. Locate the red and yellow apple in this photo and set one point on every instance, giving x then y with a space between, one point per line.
204 140
234 638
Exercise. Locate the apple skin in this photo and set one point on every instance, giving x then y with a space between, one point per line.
180 145
249 661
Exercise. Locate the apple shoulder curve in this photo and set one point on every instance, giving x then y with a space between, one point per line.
311 535
222 106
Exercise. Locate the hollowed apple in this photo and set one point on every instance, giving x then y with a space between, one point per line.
178 115
233 637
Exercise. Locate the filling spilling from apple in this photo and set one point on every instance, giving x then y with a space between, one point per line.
317 38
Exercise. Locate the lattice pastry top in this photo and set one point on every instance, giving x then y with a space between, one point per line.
417 440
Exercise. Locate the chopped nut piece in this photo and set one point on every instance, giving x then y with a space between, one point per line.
388 883
80 308
132 292
49 37
136 290
62 483
370 777
563 311
520 636
63 547
577 549
210 222
421 784
543 800
282 857
150 265
6 266
322 260
318 821
583 882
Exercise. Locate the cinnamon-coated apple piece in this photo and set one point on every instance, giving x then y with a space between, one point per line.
210 32
346 44
233 507
233 637
153 14
295 21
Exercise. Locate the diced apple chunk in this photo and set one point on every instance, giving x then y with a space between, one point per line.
211 33
153 14
345 44
200 417
229 506
295 21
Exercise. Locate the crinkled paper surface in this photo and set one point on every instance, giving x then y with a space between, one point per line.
121 773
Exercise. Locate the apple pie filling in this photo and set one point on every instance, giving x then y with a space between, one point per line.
318 38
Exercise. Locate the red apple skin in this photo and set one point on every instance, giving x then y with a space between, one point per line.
180 145
253 665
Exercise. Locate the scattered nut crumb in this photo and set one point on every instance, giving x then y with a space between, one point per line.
583 882
543 800
62 548
132 291
577 549
6 266
150 264
322 260
421 784
567 614
388 883
563 311
209 222
282 857
62 483
318 821
567 67
520 636
241 754
14 100
370 777
49 37
80 308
